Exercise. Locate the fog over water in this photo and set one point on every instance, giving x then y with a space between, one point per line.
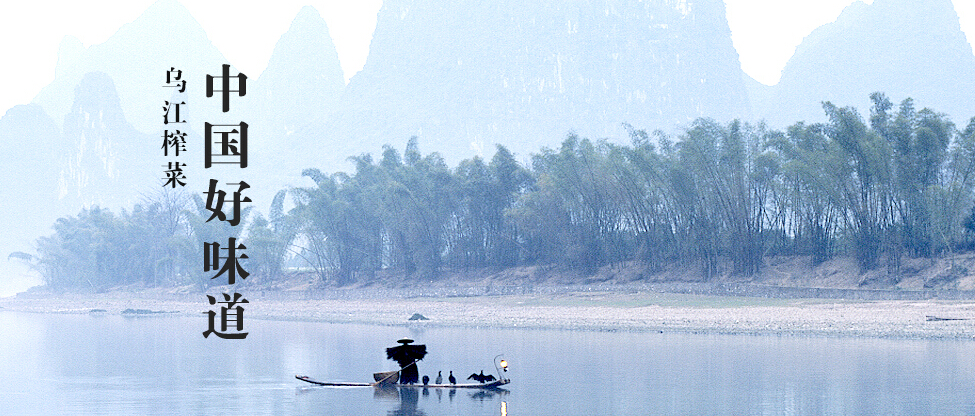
114 365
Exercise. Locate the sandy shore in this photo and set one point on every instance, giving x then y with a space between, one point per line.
574 311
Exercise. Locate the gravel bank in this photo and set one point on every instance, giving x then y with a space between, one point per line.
600 311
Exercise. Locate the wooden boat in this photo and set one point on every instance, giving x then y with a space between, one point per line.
407 355
492 385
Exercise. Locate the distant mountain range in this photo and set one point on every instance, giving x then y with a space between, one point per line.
905 48
461 76
464 75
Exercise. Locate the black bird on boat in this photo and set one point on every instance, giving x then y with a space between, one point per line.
407 355
481 378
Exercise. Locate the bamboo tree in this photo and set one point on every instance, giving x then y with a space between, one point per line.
862 181
810 214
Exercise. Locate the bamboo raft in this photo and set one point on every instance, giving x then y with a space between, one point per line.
406 356
384 380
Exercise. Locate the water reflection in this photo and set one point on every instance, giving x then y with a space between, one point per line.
483 395
109 365
409 398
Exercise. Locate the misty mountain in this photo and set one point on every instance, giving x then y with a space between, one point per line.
905 48
95 158
303 79
137 58
30 156
303 82
106 161
89 138
467 74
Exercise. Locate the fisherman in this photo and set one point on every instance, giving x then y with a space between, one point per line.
406 356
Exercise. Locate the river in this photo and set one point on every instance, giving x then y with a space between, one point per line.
63 364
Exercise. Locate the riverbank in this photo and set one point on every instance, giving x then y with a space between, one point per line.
584 309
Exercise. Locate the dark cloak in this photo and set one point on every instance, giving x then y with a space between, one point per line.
405 355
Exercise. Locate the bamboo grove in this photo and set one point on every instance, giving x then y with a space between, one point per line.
896 184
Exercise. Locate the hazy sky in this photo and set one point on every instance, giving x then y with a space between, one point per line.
765 32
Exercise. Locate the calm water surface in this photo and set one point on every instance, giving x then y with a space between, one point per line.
161 365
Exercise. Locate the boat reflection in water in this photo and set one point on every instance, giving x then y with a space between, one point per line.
409 397
408 400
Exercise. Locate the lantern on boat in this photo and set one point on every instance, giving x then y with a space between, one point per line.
500 366
406 356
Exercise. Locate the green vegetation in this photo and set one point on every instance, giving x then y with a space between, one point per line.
898 184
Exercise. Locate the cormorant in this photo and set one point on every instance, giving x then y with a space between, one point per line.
451 378
439 378
480 378
426 380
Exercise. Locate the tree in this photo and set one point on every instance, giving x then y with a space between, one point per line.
862 179
807 199
269 241
205 232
